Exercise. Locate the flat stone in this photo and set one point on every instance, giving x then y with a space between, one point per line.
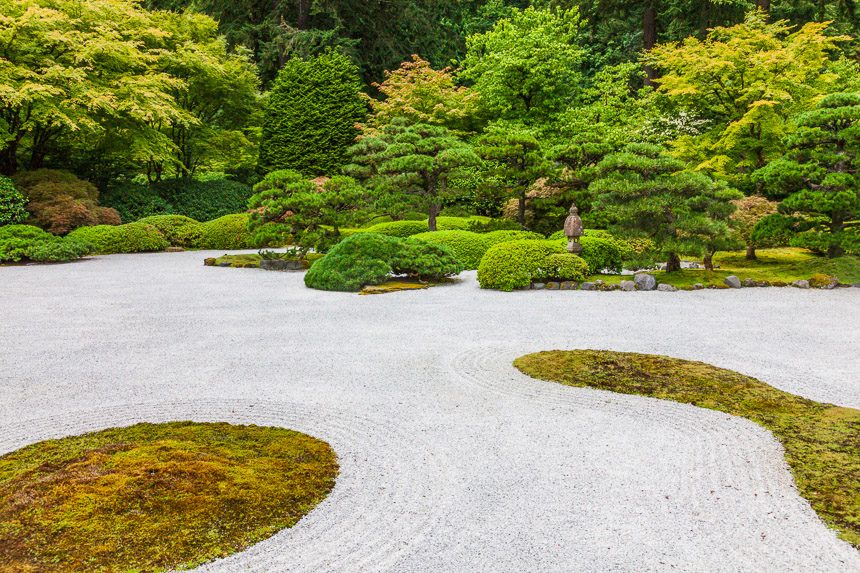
568 285
666 288
800 284
645 281
174 250
750 283
733 281
226 264
538 286
762 283
628 286
588 286
552 286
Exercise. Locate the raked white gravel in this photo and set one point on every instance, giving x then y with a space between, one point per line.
451 460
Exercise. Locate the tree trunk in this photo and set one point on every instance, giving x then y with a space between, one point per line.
9 159
649 37
302 14
431 219
709 261
751 256
834 251
763 5
674 263
521 211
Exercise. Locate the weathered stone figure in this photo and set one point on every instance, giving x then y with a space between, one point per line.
573 230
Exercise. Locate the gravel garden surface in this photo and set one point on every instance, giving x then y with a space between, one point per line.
450 459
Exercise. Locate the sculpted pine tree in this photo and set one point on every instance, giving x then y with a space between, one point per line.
821 173
410 166
649 194
311 116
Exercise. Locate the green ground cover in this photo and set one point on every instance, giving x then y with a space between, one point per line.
821 441
154 497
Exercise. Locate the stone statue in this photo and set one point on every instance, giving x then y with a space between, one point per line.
573 230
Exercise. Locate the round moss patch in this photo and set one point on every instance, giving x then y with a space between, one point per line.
151 497
821 441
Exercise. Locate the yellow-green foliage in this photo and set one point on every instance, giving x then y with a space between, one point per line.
228 232
130 238
512 265
153 497
821 441
180 231
467 246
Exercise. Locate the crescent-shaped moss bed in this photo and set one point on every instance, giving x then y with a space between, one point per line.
821 441
151 497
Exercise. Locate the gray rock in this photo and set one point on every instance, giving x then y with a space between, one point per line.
599 283
645 281
538 286
568 285
666 288
750 283
762 283
225 264
628 286
800 284
588 286
551 286
698 286
855 285
733 282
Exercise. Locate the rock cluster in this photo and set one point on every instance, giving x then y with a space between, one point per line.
646 281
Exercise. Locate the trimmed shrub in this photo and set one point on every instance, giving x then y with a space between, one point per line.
511 265
496 237
180 231
562 267
371 259
399 228
311 115
130 238
467 246
18 242
600 253
133 202
451 223
13 206
204 200
228 232
488 226
60 202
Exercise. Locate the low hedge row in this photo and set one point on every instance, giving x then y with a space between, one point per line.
130 238
372 258
20 242
515 264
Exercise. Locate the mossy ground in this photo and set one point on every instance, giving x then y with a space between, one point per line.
773 265
821 441
252 261
152 497
401 284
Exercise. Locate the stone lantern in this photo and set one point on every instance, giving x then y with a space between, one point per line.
573 230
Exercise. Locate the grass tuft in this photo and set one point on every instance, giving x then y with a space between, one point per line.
152 497
821 441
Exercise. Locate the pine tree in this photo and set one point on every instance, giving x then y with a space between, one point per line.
311 116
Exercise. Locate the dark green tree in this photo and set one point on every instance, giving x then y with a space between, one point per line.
821 177
411 166
311 115
514 158
683 212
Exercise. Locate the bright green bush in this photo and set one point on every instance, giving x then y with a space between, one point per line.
130 238
399 228
228 232
600 253
488 225
562 267
13 205
467 246
18 242
180 231
496 237
511 265
372 258
310 119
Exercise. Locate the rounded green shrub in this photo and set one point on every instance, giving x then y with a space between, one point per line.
452 223
372 258
228 232
467 246
511 265
601 254
13 205
399 228
180 231
19 242
130 238
562 267
496 237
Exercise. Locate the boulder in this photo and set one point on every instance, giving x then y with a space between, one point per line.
538 286
733 282
210 262
666 288
855 285
750 283
552 286
628 286
800 284
698 286
645 281
823 281
225 264
568 285
174 250
599 283
762 283
588 286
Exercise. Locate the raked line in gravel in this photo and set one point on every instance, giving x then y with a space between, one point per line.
451 460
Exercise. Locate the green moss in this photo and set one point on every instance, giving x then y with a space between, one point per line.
153 497
821 441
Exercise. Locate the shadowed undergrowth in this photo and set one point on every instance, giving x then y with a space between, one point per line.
151 497
821 441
